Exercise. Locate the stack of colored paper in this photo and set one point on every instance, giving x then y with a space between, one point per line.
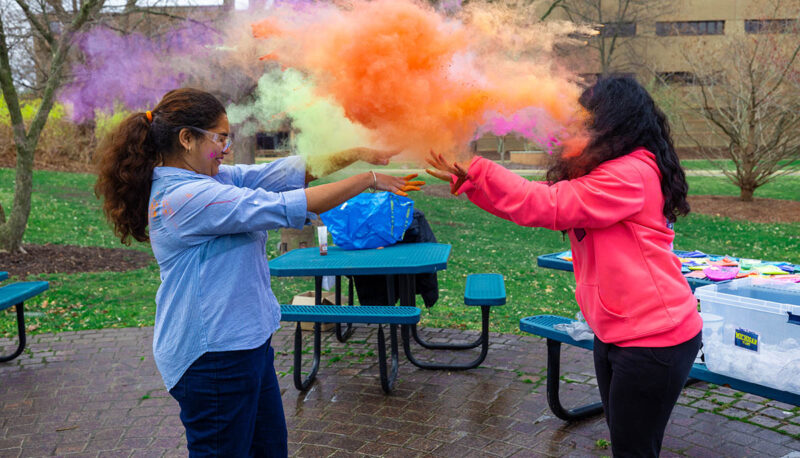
697 264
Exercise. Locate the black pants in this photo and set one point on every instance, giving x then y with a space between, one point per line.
639 386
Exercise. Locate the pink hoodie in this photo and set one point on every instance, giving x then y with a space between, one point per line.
629 283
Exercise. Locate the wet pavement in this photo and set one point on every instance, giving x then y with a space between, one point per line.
98 393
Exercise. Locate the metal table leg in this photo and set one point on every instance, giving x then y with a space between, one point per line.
408 298
21 331
342 337
299 383
553 379
388 379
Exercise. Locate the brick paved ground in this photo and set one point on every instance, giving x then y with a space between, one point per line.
97 393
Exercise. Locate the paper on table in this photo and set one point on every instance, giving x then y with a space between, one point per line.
694 254
695 274
768 269
721 273
566 255
748 263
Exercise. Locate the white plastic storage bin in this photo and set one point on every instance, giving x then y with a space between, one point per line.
751 331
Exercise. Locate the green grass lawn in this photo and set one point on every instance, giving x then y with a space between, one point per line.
66 212
720 164
786 187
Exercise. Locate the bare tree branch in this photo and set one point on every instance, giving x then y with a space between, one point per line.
88 8
613 46
752 112
551 8
154 12
57 7
43 31
7 85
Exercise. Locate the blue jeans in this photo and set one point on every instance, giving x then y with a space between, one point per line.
231 405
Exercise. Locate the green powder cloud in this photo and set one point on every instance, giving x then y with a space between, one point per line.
320 125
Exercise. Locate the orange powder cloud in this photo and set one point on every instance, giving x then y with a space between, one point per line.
416 79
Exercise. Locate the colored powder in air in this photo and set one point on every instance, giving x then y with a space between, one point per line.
132 70
320 125
421 81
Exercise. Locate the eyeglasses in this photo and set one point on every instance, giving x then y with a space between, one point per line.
224 140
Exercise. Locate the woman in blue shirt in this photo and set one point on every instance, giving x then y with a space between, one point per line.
207 226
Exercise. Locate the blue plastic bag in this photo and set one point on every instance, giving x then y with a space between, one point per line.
369 220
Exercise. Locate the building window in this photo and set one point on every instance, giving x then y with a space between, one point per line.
770 25
618 29
272 140
670 29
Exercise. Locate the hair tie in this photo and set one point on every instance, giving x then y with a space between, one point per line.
149 115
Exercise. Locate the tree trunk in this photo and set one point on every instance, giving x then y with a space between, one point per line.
245 150
12 231
747 183
501 148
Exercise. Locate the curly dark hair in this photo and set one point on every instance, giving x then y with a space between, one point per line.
129 154
623 117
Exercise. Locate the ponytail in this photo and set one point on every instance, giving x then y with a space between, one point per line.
140 143
127 160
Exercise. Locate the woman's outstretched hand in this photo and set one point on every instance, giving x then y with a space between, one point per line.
333 162
322 198
397 185
445 171
375 156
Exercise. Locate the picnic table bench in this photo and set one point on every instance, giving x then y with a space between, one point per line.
16 294
543 326
482 290
364 314
400 261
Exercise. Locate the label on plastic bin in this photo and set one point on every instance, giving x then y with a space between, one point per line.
746 339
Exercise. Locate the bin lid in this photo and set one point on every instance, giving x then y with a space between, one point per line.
755 288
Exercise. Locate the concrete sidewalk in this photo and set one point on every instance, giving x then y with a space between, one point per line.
98 393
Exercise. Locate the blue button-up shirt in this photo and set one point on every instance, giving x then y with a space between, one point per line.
209 237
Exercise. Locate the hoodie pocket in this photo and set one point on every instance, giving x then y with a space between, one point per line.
607 324
620 314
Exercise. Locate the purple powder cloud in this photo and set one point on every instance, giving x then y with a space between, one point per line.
532 123
132 70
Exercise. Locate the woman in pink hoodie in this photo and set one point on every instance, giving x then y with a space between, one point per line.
617 200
